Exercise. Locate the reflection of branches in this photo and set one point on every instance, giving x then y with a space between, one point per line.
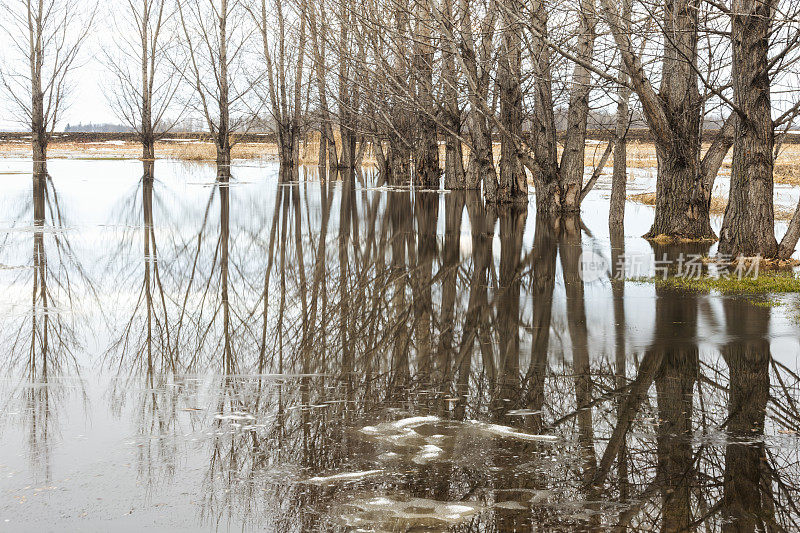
42 342
147 331
364 317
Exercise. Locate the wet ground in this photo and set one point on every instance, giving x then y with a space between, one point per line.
184 354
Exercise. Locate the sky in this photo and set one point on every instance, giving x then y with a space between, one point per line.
87 103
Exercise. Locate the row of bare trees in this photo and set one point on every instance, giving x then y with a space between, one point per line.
486 79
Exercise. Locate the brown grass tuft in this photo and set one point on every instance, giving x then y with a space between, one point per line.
718 205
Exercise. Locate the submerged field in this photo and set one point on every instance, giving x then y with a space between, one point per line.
336 355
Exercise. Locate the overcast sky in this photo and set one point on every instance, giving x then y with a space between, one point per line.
87 103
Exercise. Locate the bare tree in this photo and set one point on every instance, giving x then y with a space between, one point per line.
572 160
427 170
144 71
319 36
616 211
217 34
285 97
513 184
454 177
674 117
46 38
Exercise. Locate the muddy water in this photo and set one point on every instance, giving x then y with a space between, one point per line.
180 353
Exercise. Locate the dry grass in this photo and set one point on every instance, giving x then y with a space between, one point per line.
640 154
670 239
718 205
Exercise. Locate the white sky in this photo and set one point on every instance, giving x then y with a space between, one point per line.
87 102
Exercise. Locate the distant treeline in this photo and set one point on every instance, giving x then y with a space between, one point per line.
97 128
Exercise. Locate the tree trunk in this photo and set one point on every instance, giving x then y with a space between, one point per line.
513 185
543 127
147 133
319 36
398 149
619 178
749 225
715 155
39 133
481 160
454 177
345 133
572 160
39 151
427 146
792 235
681 207
673 116
744 505
223 134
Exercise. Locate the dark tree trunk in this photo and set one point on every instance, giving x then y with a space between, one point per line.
619 177
480 168
39 148
673 116
506 387
454 209
224 152
745 506
346 132
39 135
572 160
426 156
513 184
749 226
681 207
454 177
543 130
398 161
426 212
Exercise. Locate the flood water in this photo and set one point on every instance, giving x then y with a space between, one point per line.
184 354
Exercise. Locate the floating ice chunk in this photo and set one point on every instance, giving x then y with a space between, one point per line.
400 432
399 425
427 453
411 511
388 456
509 432
413 421
380 501
523 412
236 415
345 476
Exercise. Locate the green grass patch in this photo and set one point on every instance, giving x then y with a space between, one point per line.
765 290
764 283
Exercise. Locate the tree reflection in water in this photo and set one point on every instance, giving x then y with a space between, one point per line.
40 333
349 356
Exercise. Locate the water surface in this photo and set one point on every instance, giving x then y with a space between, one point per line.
189 354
